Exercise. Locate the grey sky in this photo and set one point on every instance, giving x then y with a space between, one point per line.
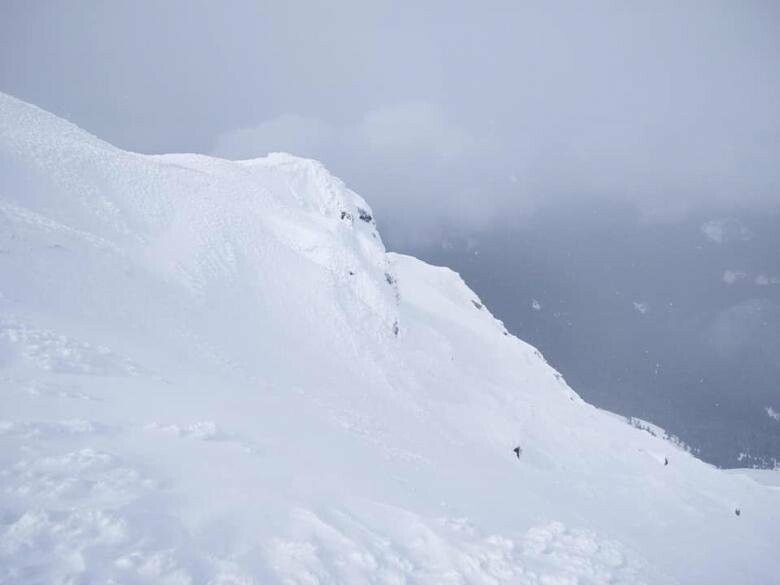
468 111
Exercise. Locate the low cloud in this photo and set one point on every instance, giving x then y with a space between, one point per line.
417 167
305 137
416 131
424 172
749 326
531 107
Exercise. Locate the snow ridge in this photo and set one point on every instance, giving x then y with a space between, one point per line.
213 372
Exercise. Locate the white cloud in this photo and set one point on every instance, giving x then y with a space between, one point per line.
288 133
467 174
414 129
773 413
417 130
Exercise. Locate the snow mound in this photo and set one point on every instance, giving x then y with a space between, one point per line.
212 372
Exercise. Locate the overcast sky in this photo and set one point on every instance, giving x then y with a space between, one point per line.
467 114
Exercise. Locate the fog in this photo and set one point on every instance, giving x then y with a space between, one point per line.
617 163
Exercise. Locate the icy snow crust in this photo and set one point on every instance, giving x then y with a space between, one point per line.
212 372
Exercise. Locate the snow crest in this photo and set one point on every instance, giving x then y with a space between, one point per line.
212 372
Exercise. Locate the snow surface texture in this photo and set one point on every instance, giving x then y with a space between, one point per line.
212 372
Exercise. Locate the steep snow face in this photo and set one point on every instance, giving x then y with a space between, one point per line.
212 372
267 245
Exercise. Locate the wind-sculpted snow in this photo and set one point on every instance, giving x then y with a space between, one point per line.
212 372
48 350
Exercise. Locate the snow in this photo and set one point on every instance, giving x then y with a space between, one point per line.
733 276
764 280
767 477
212 372
725 230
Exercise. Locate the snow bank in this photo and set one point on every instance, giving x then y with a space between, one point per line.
212 372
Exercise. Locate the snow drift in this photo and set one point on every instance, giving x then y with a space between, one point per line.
212 372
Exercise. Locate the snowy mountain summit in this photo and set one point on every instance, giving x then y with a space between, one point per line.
212 372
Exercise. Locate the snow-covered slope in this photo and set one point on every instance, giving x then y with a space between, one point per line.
212 372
